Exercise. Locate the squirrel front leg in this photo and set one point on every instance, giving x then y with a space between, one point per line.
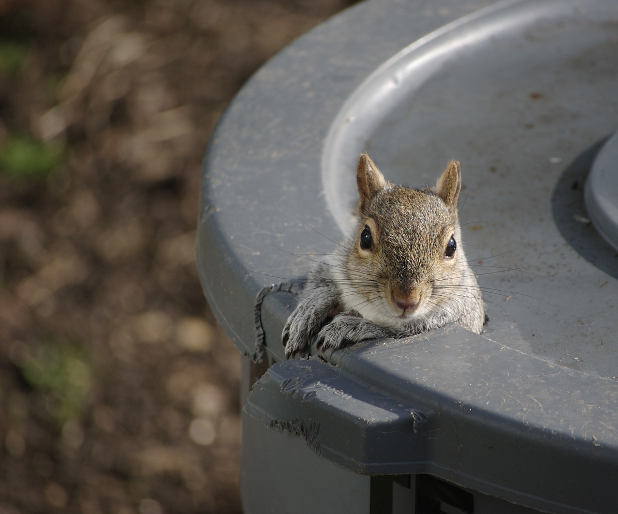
319 301
348 328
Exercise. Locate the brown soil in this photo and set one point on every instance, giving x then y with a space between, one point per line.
118 391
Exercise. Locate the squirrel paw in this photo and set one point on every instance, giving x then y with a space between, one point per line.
302 325
348 328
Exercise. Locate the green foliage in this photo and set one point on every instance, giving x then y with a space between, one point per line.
22 157
61 370
12 57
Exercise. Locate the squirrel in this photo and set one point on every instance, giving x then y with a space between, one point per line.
402 271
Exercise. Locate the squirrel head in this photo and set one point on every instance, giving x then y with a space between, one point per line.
406 241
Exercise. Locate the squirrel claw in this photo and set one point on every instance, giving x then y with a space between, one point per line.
348 328
333 335
304 322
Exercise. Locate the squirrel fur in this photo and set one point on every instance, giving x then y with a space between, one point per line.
403 270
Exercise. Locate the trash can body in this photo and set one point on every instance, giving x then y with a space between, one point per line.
521 417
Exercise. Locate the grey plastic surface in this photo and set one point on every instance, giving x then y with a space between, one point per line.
524 94
281 474
533 433
602 191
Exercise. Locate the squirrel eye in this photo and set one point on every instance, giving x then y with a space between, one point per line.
450 248
366 240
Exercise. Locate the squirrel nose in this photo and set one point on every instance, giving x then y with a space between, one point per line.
406 301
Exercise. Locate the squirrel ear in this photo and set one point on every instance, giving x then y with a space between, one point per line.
369 181
449 185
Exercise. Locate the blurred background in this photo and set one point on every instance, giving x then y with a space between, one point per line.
118 391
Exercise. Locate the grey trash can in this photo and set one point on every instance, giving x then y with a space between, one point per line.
522 418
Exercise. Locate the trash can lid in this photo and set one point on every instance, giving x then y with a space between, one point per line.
524 95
